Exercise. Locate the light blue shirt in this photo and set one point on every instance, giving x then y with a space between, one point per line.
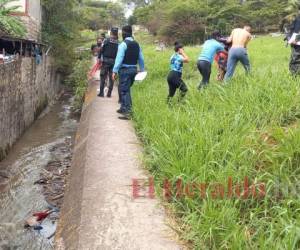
176 63
210 48
121 54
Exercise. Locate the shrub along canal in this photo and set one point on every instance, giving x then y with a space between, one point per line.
33 177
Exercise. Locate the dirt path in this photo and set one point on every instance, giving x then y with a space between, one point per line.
110 218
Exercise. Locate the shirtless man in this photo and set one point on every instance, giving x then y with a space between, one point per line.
238 52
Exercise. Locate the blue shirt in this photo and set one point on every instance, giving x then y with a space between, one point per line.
210 48
121 54
176 63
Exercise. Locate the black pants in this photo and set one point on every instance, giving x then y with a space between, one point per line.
106 71
295 60
204 68
175 82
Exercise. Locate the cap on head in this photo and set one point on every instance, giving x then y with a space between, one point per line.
114 30
127 31
178 46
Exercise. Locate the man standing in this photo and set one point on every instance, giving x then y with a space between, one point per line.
238 52
107 55
129 55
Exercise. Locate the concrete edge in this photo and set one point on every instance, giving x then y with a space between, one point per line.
67 234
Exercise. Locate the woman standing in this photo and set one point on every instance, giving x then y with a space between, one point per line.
175 76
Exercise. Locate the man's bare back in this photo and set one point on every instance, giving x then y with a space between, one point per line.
240 37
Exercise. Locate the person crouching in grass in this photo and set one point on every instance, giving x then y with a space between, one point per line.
175 76
210 48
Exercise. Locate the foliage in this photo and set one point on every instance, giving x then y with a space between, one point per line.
102 15
292 8
172 19
137 3
60 29
247 128
93 17
9 23
78 80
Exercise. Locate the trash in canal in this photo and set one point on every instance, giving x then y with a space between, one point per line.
38 217
42 223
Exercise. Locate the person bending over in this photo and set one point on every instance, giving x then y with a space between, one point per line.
206 58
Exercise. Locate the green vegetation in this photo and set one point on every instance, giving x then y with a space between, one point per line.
60 29
63 21
248 128
191 21
78 80
102 15
8 23
70 24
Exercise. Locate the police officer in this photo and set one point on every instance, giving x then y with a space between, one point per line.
107 55
129 55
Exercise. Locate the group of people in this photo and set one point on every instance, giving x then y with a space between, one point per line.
120 59
227 52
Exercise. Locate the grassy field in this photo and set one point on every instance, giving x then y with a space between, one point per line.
248 128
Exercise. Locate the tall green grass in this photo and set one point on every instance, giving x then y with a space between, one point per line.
249 127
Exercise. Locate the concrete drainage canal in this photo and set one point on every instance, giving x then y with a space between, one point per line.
33 179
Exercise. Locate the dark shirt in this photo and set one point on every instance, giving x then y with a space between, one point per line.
295 27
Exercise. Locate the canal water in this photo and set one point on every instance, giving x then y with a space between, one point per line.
45 147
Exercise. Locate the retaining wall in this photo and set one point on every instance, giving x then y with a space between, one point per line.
25 90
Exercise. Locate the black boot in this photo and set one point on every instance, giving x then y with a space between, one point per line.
109 94
101 93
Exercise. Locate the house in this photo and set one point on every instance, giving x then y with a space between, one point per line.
30 12
28 76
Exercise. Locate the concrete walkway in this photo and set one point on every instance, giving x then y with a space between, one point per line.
100 211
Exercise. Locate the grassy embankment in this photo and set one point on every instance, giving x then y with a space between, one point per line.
78 77
248 128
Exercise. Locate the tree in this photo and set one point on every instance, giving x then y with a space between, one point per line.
8 23
137 3
293 7
194 20
60 29
116 15
102 15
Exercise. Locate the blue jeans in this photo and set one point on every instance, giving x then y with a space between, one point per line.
237 55
127 76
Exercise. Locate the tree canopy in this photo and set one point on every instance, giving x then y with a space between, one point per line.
102 15
192 20
63 21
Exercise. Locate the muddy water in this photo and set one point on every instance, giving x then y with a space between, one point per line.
48 140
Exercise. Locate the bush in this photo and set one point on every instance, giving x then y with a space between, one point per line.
78 80
186 22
